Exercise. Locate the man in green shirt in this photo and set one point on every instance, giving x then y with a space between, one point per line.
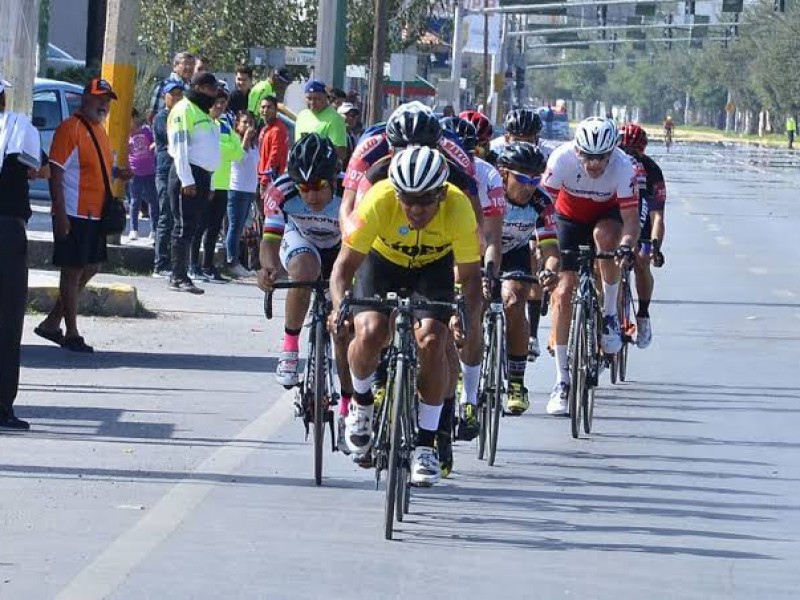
791 130
320 117
274 85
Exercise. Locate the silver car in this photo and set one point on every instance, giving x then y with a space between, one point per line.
53 102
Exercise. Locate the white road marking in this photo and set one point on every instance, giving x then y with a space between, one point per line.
722 240
758 270
713 227
781 293
100 578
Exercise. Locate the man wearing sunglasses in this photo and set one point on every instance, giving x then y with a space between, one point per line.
597 203
302 238
529 216
406 236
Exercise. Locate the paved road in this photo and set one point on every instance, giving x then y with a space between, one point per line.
168 464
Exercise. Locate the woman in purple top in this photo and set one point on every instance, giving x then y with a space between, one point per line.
142 161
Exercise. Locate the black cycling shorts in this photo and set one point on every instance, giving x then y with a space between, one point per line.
572 234
434 281
84 245
518 259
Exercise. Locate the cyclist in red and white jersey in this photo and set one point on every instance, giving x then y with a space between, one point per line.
597 199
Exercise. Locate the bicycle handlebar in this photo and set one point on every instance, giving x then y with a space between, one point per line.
396 302
287 284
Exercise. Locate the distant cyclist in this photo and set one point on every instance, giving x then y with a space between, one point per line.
594 186
669 131
653 193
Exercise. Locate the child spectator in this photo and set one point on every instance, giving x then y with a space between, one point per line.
142 161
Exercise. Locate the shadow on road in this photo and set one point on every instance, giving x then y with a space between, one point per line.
47 357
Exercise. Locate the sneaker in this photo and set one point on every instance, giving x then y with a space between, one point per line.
358 428
444 450
468 427
196 273
286 373
557 406
185 286
12 422
162 273
341 438
238 270
214 276
644 333
533 349
425 470
611 340
517 398
133 236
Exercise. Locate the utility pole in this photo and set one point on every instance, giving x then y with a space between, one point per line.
119 68
375 106
95 32
486 67
44 35
331 33
457 56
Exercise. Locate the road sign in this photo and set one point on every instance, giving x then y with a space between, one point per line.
299 55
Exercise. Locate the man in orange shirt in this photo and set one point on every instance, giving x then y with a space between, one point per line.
273 143
78 193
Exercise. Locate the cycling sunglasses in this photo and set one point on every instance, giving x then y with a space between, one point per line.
526 179
598 157
313 186
424 199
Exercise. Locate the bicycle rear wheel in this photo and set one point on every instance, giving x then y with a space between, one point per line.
395 443
484 401
320 400
577 367
497 388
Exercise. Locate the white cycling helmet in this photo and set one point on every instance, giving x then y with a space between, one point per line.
418 169
596 135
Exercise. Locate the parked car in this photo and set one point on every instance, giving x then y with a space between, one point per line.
559 128
59 60
53 102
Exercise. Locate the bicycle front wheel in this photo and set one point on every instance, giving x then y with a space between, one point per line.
320 397
496 406
577 367
395 446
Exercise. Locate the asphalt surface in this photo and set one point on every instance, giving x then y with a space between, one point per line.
168 465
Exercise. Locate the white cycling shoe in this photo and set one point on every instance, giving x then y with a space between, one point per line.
644 332
425 469
286 373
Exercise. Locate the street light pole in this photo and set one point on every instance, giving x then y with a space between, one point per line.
457 57
375 107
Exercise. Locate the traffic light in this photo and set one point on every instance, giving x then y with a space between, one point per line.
668 31
602 14
780 5
689 7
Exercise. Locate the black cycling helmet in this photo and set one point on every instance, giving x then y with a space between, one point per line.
313 158
462 128
413 124
523 121
522 156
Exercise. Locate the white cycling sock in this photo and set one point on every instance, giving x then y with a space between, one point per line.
562 364
610 298
471 377
428 416
361 386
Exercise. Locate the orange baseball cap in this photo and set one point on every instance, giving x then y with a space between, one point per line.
99 87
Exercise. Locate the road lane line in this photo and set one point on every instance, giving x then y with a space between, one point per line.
110 569
722 240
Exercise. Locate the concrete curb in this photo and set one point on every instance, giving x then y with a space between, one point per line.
98 299
135 259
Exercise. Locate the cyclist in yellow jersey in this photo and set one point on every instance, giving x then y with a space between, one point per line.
406 235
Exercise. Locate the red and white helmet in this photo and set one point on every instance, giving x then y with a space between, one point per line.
633 137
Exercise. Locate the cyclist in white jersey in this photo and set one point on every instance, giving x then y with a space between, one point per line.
595 189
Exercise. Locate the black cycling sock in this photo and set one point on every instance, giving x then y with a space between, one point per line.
292 331
425 437
534 314
643 312
516 368
364 399
447 416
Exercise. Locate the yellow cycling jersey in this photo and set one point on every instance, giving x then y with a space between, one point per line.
379 223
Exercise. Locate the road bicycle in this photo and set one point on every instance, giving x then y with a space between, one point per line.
583 348
492 386
396 426
316 392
